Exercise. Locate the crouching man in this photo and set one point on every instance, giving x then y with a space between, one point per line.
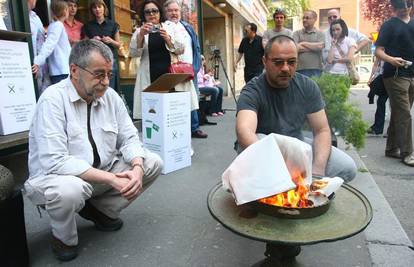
280 101
85 155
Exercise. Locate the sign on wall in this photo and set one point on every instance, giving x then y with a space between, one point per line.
17 93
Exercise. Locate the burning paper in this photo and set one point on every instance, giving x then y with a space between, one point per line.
264 168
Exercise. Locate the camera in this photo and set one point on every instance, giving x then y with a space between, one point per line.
155 28
407 64
216 52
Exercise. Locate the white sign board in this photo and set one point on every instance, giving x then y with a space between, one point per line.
166 128
17 95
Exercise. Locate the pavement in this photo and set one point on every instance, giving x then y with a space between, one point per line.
170 225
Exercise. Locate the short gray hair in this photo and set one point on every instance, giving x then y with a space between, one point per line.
169 2
81 51
280 39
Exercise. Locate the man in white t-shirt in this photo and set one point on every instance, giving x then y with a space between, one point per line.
192 54
360 39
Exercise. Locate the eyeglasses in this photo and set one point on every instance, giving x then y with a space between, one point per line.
306 17
332 17
280 62
151 11
99 75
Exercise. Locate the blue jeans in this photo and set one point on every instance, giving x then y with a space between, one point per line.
378 125
57 78
311 72
216 94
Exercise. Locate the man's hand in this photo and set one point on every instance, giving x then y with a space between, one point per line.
397 62
129 183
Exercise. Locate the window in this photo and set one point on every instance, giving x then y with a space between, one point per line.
5 16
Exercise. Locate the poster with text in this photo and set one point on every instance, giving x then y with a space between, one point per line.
17 93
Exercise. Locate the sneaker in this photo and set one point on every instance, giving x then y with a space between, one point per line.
62 251
102 222
393 153
199 134
409 160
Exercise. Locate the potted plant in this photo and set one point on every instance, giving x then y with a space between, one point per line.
344 118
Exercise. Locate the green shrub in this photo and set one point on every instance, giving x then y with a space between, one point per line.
343 117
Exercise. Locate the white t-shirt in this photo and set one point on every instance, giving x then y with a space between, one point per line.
185 38
345 45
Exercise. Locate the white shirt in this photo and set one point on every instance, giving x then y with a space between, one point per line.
56 49
58 138
185 37
38 32
353 34
345 45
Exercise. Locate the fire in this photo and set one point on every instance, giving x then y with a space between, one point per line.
295 198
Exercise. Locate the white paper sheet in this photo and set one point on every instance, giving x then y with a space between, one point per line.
260 170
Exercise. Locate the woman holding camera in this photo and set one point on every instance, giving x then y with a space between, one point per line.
152 42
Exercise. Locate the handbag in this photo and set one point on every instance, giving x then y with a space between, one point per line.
352 71
178 66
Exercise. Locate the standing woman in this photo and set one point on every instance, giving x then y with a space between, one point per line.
38 38
56 48
342 48
152 42
103 29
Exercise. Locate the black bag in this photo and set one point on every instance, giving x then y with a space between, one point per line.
376 87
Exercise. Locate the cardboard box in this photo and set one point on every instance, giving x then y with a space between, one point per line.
17 95
166 122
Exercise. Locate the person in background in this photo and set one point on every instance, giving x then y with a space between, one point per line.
209 87
252 49
342 48
103 29
310 42
73 26
279 17
192 54
85 155
56 48
377 87
360 39
395 46
152 42
38 38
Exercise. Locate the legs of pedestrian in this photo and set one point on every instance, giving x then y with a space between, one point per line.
378 126
401 92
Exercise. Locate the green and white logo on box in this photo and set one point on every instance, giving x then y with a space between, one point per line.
149 127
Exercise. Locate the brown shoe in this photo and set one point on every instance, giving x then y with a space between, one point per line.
393 153
102 222
409 160
199 134
62 251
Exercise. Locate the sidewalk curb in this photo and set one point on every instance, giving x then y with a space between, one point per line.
386 240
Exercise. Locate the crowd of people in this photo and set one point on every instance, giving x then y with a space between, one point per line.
85 156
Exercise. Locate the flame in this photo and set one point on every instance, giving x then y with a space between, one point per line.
295 198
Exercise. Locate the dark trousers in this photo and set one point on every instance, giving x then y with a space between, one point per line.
401 93
378 125
249 74
57 78
216 94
